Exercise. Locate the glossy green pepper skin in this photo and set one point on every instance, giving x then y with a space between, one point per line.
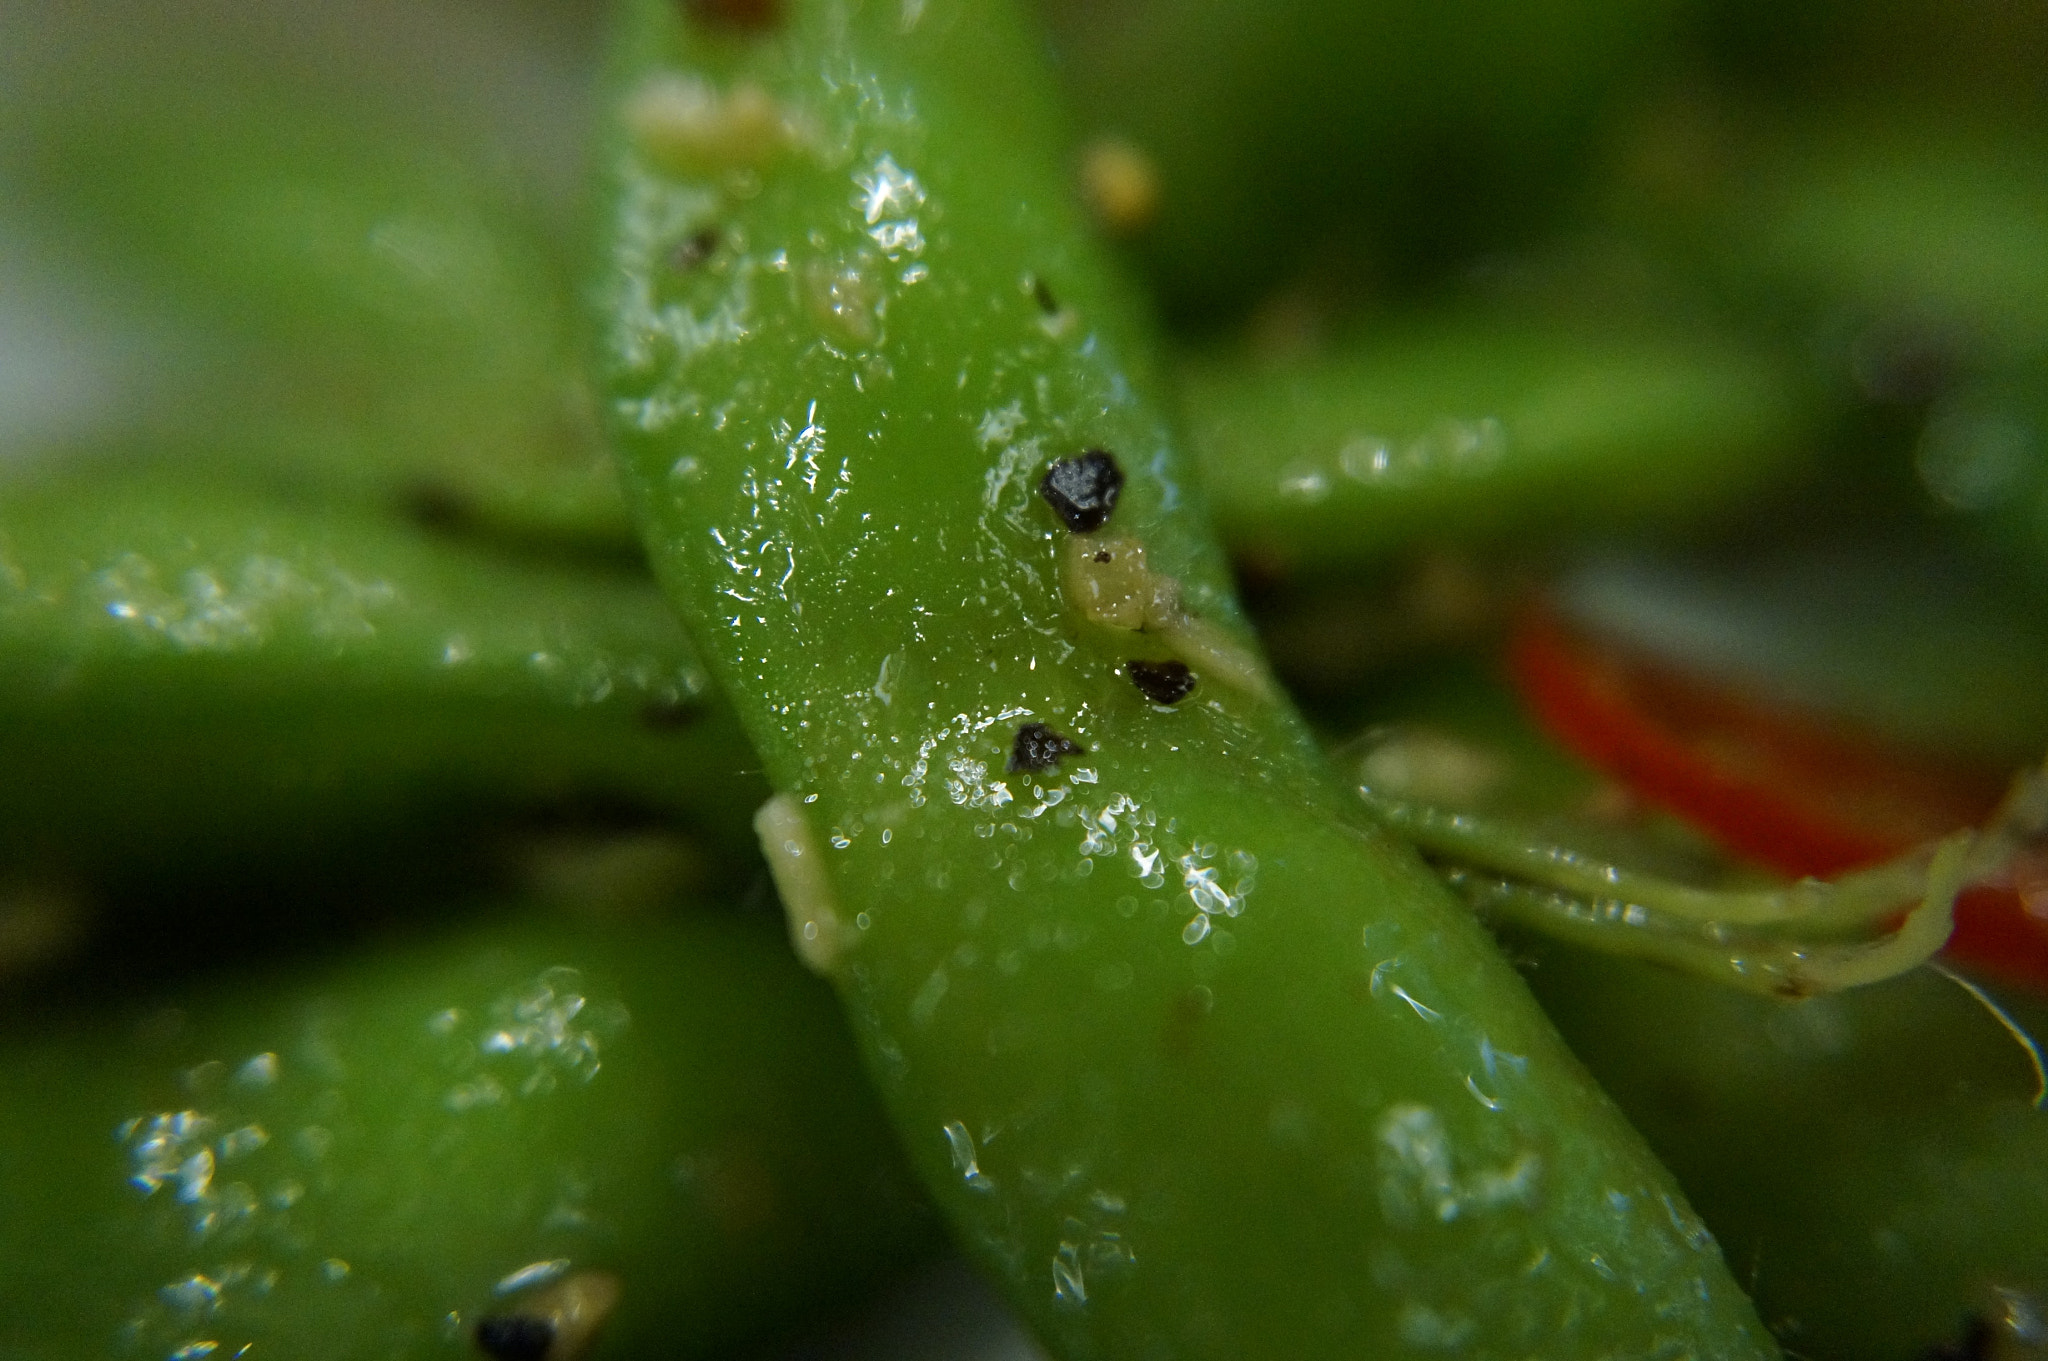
195 670
1196 1066
366 1157
1872 1162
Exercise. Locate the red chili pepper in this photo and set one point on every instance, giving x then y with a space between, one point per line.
1792 791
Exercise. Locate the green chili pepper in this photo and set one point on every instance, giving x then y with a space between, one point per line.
193 670
1870 1160
375 313
1196 1066
1476 427
1394 137
522 1130
1873 1162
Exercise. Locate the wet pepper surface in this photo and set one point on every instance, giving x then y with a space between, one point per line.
1196 1066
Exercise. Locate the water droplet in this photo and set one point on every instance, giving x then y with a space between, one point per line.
247 1139
1068 1286
530 1275
925 1004
1975 458
195 1176
192 1295
1491 1103
961 1144
1304 482
1425 1328
257 1072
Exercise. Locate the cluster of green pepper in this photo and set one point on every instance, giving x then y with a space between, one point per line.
1191 1050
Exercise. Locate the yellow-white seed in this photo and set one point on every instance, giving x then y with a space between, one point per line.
1120 184
796 861
687 126
1107 581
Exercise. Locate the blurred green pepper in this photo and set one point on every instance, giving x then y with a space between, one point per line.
192 670
1461 429
1391 140
419 1146
363 310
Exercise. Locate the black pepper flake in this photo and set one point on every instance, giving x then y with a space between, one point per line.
668 715
752 15
1042 293
1083 490
515 1337
1161 682
1040 748
1979 1342
437 506
691 253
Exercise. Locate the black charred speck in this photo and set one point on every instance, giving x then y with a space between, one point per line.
689 254
1040 748
515 1337
668 715
437 506
1082 491
1978 1342
1161 682
1041 292
756 16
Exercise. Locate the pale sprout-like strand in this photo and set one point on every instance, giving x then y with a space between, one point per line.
796 862
688 126
1792 941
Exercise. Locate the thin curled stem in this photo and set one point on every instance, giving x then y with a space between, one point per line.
1797 940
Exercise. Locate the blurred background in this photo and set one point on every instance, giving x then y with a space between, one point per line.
1716 330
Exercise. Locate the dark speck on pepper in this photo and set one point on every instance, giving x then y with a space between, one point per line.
1082 491
515 1337
695 251
1161 682
1040 748
1047 303
668 715
437 506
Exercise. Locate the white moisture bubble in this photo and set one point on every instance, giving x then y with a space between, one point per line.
258 1072
532 1274
796 860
